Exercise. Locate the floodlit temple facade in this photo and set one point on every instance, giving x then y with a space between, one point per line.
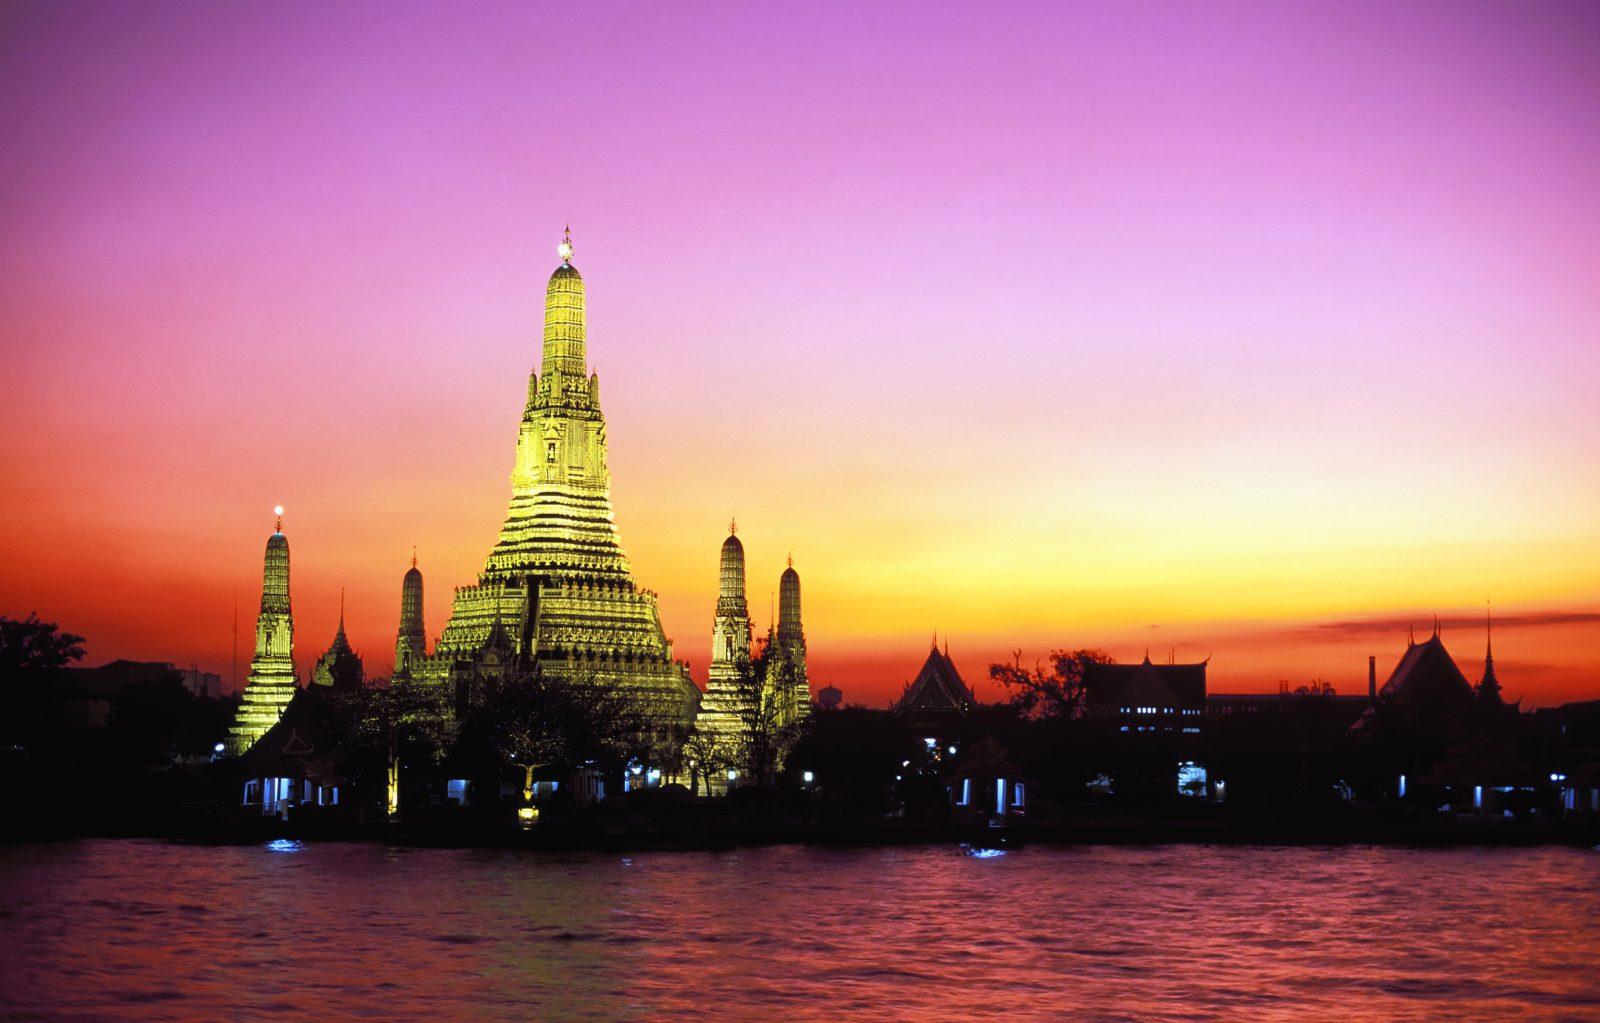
557 590
271 683
732 699
743 698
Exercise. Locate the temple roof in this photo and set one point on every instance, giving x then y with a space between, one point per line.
1145 684
937 687
1426 674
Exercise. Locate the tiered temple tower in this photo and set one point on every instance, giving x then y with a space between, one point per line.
731 696
788 690
557 588
411 646
271 682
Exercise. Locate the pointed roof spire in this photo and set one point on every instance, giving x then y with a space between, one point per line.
791 559
1435 626
564 250
278 511
733 525
413 555
341 609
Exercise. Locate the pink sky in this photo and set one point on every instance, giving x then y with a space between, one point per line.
1205 327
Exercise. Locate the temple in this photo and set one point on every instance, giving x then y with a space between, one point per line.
411 645
732 697
938 693
340 668
753 701
787 688
271 683
556 590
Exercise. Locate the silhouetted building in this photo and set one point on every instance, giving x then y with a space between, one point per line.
340 668
1146 697
295 762
94 689
411 645
937 696
829 697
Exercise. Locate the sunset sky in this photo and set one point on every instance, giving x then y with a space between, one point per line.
1250 331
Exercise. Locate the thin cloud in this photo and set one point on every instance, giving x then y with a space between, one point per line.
1424 623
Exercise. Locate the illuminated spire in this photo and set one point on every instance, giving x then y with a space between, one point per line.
564 319
271 682
733 525
564 250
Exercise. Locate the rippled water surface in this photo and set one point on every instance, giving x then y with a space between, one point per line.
146 931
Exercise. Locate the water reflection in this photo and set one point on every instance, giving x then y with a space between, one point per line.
146 931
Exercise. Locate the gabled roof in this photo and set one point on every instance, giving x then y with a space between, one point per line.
937 688
301 744
1145 684
1427 674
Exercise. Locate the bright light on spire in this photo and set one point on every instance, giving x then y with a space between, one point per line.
564 250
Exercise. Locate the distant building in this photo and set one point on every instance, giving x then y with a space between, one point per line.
96 688
829 697
937 697
1146 697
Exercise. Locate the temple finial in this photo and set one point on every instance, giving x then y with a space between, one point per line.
413 556
791 559
733 525
1488 629
564 250
278 511
341 609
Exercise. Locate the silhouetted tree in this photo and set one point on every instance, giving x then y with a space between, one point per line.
1053 693
536 719
33 654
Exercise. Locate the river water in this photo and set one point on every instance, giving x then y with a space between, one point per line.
149 931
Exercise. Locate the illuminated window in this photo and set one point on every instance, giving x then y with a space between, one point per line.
966 793
1017 794
1000 795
